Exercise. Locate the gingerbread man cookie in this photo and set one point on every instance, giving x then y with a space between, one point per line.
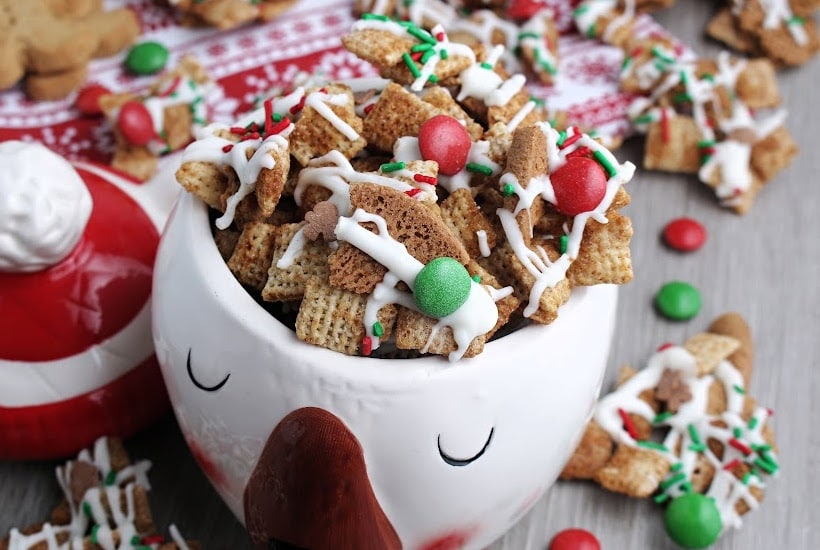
227 14
50 42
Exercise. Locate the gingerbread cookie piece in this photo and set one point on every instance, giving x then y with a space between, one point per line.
53 63
163 120
685 431
227 14
105 498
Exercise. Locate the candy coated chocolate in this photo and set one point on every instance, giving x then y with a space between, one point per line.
88 100
441 287
678 300
693 521
684 234
146 58
446 141
579 185
574 539
135 123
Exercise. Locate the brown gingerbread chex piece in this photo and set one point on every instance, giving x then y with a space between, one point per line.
419 229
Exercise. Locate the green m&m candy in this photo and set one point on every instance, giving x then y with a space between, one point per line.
441 287
678 300
693 520
146 58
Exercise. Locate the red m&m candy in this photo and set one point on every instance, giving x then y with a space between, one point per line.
523 9
574 539
446 141
135 123
579 185
684 234
88 100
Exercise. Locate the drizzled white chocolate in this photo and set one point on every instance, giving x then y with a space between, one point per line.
692 426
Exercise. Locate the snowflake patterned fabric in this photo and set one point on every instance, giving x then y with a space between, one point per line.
251 61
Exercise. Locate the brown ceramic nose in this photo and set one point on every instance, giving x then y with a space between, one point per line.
310 489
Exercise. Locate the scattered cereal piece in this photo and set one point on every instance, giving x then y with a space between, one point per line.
574 539
690 438
678 300
446 141
146 58
88 100
105 505
693 521
684 234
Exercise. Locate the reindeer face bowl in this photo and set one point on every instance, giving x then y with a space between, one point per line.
318 449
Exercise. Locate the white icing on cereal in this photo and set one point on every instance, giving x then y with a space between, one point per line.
108 524
692 426
247 158
549 273
44 207
476 316
483 246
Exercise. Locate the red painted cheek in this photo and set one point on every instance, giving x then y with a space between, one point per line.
454 540
92 294
207 465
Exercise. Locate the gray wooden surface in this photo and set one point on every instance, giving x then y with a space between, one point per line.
766 265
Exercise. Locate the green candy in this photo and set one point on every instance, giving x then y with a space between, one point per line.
678 300
693 521
441 287
146 58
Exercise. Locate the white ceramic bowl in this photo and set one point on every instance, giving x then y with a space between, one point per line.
454 453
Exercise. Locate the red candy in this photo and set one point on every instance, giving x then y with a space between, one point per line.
579 185
88 100
523 9
446 141
135 123
574 539
684 234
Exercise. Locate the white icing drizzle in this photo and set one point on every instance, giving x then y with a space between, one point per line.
406 149
422 11
178 538
91 512
777 13
727 167
441 49
334 172
292 104
223 152
483 246
182 90
480 81
587 14
475 317
691 427
549 273
533 35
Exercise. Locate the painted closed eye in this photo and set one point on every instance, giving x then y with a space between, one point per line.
456 461
199 384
